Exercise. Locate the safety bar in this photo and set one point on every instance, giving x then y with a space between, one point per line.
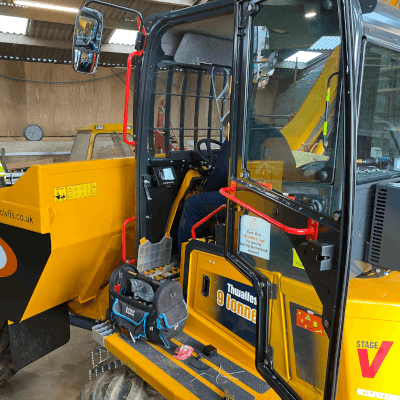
195 226
127 87
311 231
124 241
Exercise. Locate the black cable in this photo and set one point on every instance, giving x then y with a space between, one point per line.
59 83
117 75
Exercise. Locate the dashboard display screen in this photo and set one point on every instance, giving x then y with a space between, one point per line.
165 176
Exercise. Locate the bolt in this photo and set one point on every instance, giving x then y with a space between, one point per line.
266 362
262 284
326 324
241 174
336 216
378 270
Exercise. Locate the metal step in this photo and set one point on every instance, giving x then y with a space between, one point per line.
205 379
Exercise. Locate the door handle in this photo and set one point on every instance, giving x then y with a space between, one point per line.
311 231
147 184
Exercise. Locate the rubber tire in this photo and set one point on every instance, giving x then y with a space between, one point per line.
118 384
6 366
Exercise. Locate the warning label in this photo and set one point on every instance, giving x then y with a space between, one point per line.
59 194
255 236
296 260
73 192
309 321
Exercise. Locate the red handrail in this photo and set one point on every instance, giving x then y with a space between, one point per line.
127 87
311 231
124 241
205 219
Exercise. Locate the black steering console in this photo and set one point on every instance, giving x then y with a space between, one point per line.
211 157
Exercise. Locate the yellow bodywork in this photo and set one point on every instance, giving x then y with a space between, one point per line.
82 206
85 230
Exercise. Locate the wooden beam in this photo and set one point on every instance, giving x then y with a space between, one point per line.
58 44
60 17
27 164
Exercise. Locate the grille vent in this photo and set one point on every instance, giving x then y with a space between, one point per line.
377 225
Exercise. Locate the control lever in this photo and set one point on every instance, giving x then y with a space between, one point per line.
319 254
147 184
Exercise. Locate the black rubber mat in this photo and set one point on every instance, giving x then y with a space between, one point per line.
257 384
189 381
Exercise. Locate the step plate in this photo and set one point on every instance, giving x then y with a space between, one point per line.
241 384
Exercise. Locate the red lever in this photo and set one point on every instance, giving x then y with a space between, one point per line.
124 241
127 87
205 219
311 231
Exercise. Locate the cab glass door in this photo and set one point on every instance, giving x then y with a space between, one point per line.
287 182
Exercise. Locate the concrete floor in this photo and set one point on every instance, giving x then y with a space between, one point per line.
58 376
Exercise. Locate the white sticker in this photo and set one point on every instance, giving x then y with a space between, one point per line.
255 236
377 395
376 152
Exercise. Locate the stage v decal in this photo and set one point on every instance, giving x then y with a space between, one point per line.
370 370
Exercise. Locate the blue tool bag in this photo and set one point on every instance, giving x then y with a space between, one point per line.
147 309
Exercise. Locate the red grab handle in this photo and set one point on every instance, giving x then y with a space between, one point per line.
124 241
127 87
205 219
311 231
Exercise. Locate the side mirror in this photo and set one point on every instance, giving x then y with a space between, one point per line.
87 40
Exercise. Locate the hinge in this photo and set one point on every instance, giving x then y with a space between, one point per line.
274 291
233 206
270 351
240 33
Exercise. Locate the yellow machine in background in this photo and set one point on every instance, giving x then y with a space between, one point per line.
100 141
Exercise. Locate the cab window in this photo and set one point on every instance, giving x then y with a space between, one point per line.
111 145
378 140
80 148
291 128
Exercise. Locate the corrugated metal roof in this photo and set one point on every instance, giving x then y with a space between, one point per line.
327 43
64 32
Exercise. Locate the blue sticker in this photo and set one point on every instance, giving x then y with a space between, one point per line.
265 153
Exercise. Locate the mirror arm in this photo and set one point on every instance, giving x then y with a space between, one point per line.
117 6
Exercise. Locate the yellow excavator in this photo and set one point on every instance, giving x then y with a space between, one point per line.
291 292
